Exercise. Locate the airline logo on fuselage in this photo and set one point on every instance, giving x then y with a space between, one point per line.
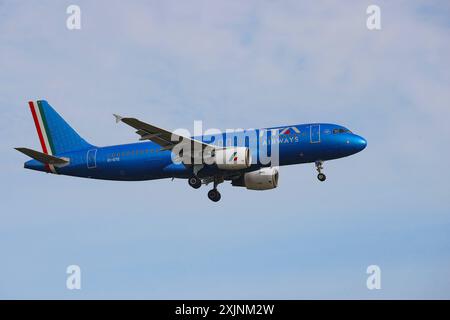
289 130
285 135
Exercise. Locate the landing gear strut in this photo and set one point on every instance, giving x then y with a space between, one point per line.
195 182
322 177
214 194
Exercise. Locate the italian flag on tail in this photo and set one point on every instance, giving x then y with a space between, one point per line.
42 130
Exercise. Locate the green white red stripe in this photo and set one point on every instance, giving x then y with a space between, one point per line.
42 129
234 157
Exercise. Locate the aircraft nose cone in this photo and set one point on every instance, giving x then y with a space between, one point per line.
360 143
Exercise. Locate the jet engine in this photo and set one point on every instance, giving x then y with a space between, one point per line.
262 179
234 158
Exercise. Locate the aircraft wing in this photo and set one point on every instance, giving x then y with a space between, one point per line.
166 139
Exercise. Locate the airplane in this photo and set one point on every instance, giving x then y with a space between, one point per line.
237 160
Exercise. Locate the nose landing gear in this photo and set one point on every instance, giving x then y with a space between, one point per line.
319 167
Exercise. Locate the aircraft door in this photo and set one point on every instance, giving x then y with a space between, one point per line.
315 133
92 159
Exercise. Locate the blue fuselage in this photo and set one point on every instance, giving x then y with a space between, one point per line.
146 161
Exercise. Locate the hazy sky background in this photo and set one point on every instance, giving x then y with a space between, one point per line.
232 64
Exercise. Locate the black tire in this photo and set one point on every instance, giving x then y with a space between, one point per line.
214 195
321 177
195 182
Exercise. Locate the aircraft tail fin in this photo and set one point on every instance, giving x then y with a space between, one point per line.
55 134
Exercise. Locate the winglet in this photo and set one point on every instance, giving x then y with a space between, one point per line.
118 118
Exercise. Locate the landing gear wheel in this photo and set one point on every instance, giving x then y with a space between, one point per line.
195 182
319 168
214 195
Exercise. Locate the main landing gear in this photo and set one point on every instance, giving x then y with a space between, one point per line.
195 182
213 194
319 167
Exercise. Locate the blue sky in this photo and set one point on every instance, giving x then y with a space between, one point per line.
232 64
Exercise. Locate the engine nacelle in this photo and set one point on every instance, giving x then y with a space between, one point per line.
233 158
262 179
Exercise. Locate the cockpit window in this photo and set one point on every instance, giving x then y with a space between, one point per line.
340 130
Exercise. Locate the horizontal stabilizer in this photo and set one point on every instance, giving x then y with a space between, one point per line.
42 157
